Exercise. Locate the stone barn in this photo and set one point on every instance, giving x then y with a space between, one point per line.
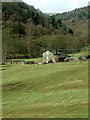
48 57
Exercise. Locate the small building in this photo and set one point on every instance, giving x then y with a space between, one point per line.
48 57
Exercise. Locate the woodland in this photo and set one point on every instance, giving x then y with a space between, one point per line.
27 32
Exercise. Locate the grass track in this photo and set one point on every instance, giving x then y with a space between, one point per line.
46 91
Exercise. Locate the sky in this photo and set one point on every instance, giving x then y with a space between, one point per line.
58 6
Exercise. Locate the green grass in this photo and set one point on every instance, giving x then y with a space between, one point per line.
28 59
45 91
84 51
78 54
86 48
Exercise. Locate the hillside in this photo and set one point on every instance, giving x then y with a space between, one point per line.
28 32
39 91
77 20
21 23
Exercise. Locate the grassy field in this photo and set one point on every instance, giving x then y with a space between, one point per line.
57 90
78 54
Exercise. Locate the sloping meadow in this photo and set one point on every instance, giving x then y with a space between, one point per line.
45 91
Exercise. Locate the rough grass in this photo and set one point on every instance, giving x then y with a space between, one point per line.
78 54
84 51
45 91
29 59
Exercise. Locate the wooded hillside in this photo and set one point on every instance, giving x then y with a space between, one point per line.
27 32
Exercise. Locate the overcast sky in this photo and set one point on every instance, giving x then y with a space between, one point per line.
57 5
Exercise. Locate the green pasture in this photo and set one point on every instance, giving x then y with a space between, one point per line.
78 54
28 59
57 90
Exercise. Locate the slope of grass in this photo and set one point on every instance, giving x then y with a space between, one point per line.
28 59
45 91
84 51
78 54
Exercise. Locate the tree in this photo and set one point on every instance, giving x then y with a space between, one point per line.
18 28
36 19
70 31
